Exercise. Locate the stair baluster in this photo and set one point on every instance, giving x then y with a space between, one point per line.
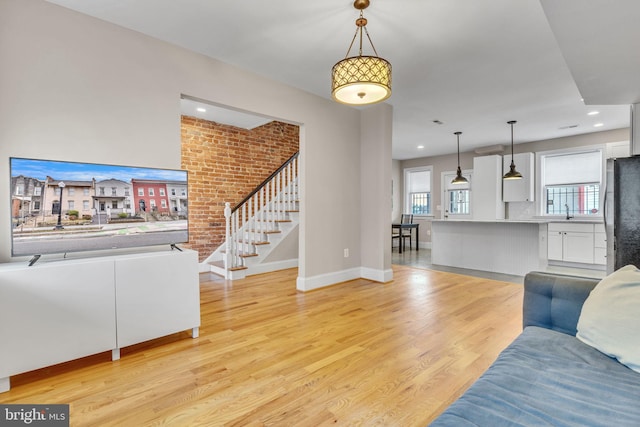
259 214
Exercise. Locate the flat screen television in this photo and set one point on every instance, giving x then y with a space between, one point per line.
60 207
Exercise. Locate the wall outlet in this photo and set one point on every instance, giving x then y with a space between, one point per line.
346 253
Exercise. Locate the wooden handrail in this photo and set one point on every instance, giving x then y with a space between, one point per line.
259 187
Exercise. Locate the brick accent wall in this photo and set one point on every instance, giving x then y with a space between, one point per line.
225 164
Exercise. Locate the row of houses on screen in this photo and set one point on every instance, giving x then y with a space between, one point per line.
32 198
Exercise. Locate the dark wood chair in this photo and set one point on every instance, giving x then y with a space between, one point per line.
403 234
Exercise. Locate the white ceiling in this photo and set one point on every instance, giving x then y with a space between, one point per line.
471 64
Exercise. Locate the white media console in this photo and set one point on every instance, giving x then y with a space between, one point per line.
58 311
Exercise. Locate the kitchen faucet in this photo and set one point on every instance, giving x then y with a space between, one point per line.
566 205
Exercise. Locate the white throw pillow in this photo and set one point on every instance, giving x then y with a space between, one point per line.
610 317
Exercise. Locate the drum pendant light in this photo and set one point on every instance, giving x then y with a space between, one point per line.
459 179
513 173
361 80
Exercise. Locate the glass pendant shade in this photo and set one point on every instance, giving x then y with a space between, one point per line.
513 173
459 179
362 79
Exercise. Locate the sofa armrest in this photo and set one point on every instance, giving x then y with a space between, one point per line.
554 301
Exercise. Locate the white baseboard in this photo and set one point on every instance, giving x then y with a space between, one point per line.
382 276
272 266
203 267
305 284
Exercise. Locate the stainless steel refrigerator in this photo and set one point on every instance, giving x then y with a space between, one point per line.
622 212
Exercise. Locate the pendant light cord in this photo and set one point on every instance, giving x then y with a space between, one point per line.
360 24
512 122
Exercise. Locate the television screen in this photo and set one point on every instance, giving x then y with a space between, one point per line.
60 207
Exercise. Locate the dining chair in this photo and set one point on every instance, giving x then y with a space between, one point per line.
402 234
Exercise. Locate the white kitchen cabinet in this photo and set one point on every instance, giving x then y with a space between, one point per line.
519 190
599 245
554 242
577 247
571 242
486 188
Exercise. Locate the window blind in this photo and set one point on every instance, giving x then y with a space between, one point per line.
574 168
419 181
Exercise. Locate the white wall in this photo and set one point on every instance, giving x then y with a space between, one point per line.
376 130
76 88
396 178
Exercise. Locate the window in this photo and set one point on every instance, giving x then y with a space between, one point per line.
571 183
113 191
71 191
163 203
173 191
457 197
37 191
458 202
72 205
152 203
102 191
162 192
417 184
126 191
140 191
85 192
19 189
183 192
85 205
151 192
114 204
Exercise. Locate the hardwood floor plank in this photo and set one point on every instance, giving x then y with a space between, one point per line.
358 353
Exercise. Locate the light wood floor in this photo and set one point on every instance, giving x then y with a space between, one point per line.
358 353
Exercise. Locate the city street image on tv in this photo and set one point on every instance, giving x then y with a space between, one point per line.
59 206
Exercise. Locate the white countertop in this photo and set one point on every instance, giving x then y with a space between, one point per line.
523 221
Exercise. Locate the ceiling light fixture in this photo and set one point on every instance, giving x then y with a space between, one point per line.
593 113
459 179
513 173
361 80
598 125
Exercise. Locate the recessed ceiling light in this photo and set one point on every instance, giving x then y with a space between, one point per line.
420 147
598 125
593 113
202 110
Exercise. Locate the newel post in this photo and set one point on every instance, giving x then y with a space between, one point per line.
227 236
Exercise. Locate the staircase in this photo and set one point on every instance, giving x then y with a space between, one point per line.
257 225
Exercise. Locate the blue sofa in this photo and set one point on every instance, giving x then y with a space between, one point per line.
547 377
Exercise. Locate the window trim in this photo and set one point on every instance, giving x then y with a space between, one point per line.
406 195
541 187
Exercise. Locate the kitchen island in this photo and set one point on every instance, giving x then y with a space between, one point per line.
500 246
